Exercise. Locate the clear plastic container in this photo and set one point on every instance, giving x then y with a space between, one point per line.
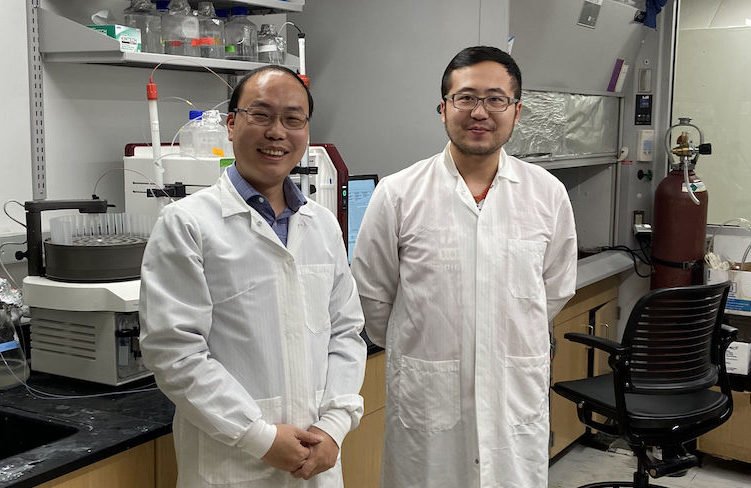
241 36
186 133
271 47
180 29
210 136
211 31
14 369
142 14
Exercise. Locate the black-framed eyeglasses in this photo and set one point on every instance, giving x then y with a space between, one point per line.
492 103
292 119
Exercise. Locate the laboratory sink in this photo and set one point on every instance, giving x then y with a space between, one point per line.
20 433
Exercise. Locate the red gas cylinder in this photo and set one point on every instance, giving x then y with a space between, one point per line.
679 232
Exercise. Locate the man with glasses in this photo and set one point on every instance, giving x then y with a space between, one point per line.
250 316
462 260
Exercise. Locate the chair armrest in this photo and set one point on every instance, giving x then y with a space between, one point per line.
728 333
611 347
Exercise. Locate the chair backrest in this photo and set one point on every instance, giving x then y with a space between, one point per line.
671 333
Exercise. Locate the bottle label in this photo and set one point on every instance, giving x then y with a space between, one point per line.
8 346
696 186
207 41
267 48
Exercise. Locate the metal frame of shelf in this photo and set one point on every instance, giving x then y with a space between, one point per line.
36 102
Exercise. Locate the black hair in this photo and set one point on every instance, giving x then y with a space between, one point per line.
477 54
235 98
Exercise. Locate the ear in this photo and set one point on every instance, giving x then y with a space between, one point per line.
442 110
518 112
230 125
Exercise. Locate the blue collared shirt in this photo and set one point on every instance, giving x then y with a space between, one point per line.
292 196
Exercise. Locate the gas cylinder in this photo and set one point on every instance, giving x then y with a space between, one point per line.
680 216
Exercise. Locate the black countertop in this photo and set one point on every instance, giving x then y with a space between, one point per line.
105 425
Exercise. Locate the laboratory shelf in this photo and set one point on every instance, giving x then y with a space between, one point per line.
578 161
65 41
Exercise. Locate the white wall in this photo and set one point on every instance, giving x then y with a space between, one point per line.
15 132
376 70
711 87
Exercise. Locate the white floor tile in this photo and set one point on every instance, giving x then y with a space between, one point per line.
583 465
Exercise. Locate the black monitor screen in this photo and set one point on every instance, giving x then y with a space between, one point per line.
359 190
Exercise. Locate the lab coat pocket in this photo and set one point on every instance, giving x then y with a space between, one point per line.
317 282
525 259
221 464
527 380
428 394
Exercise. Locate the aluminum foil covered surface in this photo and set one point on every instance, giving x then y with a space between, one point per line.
565 124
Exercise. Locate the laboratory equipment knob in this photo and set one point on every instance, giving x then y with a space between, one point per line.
20 255
705 148
641 174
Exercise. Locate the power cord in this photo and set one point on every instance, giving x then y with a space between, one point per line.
43 395
644 258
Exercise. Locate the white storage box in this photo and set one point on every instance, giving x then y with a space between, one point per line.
739 298
738 358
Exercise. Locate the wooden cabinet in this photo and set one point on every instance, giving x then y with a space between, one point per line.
165 462
134 467
731 440
150 465
569 363
593 310
361 450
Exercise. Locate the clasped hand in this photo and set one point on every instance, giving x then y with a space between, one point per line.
304 453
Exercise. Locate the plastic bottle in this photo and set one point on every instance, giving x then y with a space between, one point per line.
211 30
210 136
142 14
241 36
180 29
13 366
186 134
271 47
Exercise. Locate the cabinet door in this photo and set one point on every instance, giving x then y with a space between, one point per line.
134 467
569 363
361 449
606 326
165 462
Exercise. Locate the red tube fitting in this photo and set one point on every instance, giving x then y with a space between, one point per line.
151 91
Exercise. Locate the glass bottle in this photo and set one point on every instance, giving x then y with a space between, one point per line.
211 30
271 47
241 36
142 15
180 29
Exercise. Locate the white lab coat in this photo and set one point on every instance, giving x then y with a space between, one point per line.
461 300
243 333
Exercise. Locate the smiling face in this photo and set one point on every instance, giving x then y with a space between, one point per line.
265 154
479 132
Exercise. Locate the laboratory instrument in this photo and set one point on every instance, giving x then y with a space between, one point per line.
82 289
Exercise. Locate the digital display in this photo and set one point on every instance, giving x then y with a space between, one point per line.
360 189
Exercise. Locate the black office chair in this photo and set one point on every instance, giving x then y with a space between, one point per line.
658 395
